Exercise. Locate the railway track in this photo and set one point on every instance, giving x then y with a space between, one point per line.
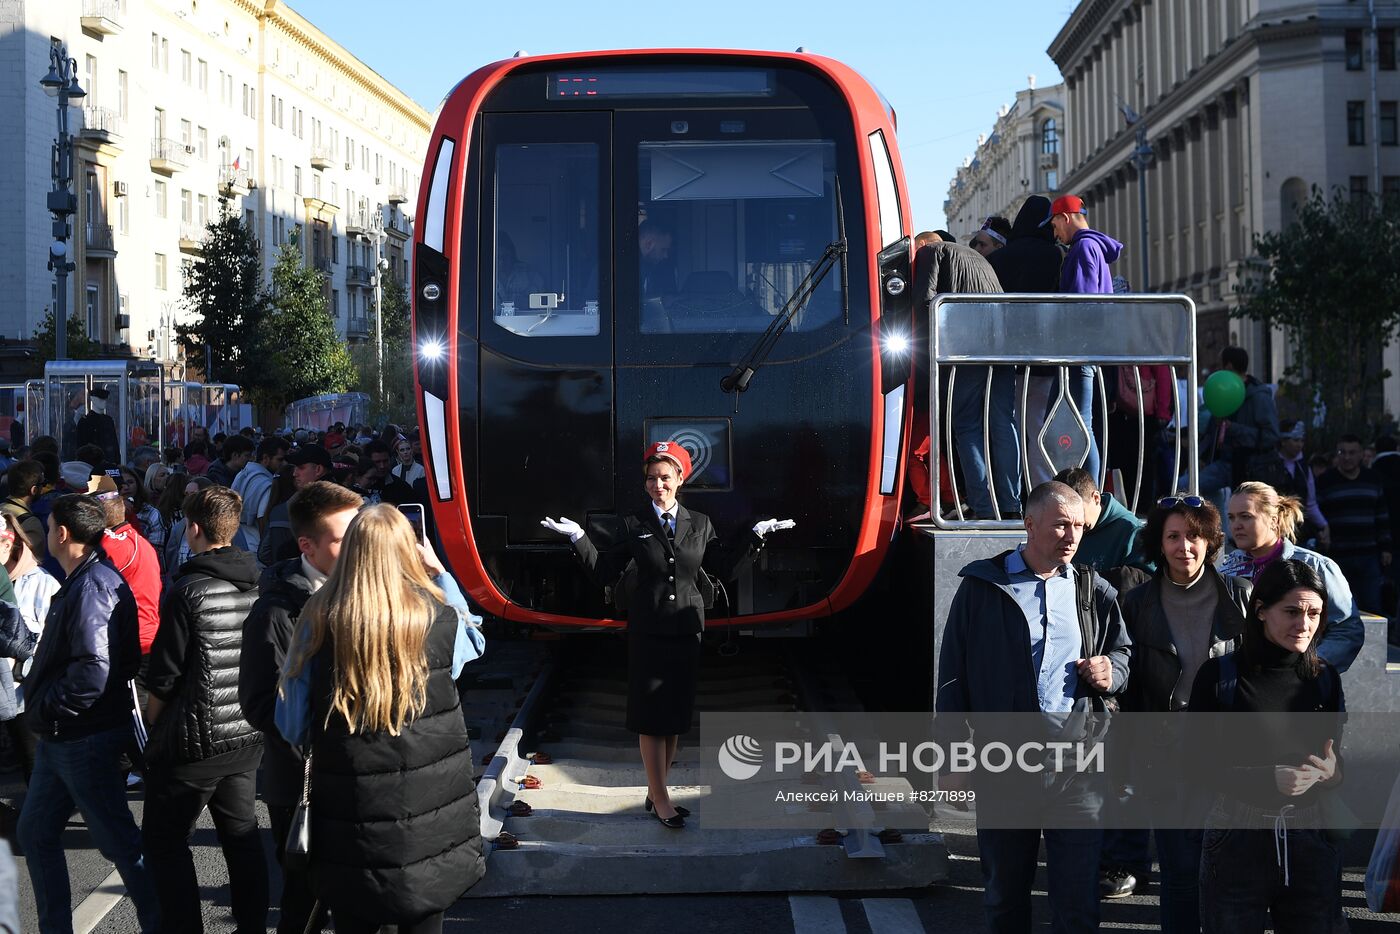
562 792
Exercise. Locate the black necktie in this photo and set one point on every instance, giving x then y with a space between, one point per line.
666 524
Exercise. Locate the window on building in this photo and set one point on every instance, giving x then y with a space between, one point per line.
160 198
165 55
186 206
315 184
201 143
160 271
203 76
1052 180
250 220
296 179
186 67
1356 123
335 303
1049 137
1390 187
94 318
1387 127
1355 44
122 94
123 215
155 50
1358 189
202 217
90 62
187 134
335 249
1385 40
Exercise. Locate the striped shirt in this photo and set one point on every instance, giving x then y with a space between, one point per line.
1356 513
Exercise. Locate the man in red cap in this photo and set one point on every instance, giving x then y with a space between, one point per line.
1085 269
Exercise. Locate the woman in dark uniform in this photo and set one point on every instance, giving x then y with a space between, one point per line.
670 547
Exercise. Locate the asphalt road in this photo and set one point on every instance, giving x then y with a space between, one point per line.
952 906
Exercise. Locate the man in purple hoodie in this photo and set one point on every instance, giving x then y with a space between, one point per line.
1084 271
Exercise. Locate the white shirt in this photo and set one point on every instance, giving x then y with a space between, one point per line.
313 574
662 513
409 474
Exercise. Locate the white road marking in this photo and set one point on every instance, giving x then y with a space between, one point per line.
108 895
816 914
892 916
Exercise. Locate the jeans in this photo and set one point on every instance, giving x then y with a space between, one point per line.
1130 850
298 902
84 774
965 410
432 924
9 890
1081 392
172 807
1179 854
1008 870
1242 882
1364 574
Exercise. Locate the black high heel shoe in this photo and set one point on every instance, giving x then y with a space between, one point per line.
680 811
675 823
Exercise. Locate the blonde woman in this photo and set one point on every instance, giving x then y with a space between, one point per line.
368 690
1263 525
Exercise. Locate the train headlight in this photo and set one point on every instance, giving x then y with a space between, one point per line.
895 285
896 344
432 349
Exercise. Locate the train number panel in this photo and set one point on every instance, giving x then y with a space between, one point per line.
619 248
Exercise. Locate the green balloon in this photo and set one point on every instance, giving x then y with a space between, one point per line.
1224 393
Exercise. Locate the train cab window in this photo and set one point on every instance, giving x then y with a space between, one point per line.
546 240
727 230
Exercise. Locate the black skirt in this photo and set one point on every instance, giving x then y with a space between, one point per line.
662 672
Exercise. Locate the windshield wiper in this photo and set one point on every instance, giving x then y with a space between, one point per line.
835 252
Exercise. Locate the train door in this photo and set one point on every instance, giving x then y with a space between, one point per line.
546 322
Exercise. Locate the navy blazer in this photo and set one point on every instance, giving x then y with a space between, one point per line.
668 598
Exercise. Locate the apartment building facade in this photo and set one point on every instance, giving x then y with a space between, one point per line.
187 103
1021 157
1246 105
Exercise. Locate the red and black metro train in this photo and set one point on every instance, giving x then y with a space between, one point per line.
616 248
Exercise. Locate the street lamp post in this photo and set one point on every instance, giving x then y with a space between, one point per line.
378 280
1141 159
61 82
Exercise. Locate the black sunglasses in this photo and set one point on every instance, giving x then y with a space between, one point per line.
1171 502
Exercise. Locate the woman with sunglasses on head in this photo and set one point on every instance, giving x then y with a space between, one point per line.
1264 526
1186 614
1266 852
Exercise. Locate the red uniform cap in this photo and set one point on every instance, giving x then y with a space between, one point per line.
674 452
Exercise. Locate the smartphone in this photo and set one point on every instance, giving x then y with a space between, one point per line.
413 512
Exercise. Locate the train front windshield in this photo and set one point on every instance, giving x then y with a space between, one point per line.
630 247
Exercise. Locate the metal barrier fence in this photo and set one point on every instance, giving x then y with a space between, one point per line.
1006 343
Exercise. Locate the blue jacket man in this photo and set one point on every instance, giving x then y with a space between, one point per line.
79 702
1015 642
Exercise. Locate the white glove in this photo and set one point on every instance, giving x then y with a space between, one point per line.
564 526
772 525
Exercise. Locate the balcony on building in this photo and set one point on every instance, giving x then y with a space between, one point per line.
399 225
102 125
359 276
359 222
169 156
322 157
358 327
236 183
322 264
191 239
103 17
398 195
319 209
100 244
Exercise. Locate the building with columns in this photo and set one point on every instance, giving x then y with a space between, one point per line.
189 102
1245 105
1021 157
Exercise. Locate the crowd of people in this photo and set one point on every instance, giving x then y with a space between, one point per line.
1350 496
175 625
1176 624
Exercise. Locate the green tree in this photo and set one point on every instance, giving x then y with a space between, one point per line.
79 347
299 353
398 404
224 290
1329 281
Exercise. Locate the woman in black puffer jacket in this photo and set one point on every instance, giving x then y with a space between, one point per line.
395 825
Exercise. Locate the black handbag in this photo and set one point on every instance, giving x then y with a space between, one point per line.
297 854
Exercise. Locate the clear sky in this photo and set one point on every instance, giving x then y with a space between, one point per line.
945 65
